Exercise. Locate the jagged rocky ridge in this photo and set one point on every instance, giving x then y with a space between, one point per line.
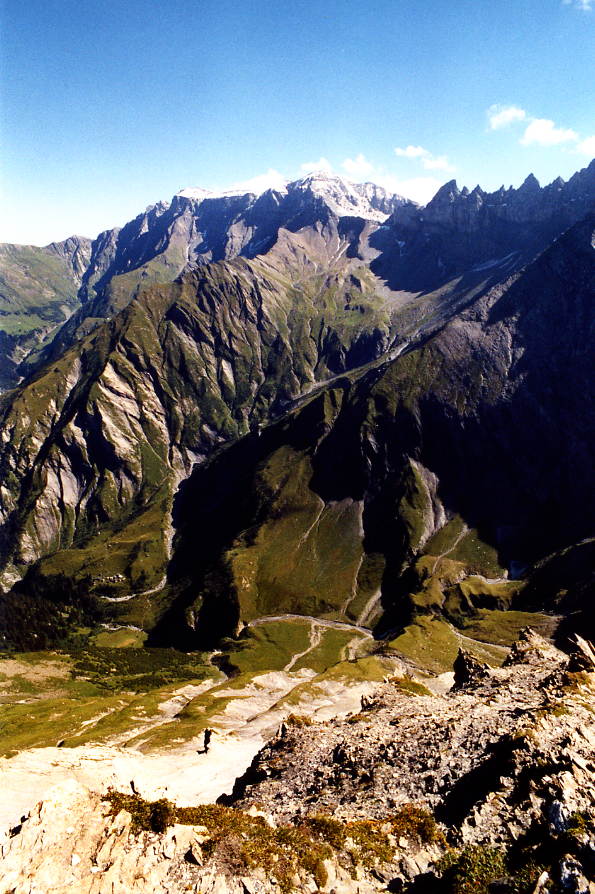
418 249
198 227
487 787
460 230
96 442
97 278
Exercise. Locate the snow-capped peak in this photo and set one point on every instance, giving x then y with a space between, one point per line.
199 194
343 197
348 199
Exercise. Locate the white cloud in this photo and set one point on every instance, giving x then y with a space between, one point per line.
323 164
358 166
544 132
539 131
420 189
437 163
412 152
429 161
503 116
587 146
271 180
586 5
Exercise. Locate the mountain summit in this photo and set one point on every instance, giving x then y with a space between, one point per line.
344 197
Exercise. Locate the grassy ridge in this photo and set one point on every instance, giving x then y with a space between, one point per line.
37 289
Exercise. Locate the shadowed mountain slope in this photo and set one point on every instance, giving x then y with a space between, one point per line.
460 232
471 454
95 438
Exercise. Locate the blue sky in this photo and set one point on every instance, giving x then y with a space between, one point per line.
111 105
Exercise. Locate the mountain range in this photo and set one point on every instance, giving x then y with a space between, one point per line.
322 400
297 547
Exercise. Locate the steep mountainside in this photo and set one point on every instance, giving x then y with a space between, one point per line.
198 227
116 421
277 504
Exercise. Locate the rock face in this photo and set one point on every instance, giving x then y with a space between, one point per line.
69 843
468 670
505 763
486 788
198 227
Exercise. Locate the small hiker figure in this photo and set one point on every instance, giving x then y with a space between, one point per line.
206 742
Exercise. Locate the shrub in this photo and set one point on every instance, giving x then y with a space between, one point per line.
242 841
147 816
298 720
416 823
471 870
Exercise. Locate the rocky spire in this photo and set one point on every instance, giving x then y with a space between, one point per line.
530 183
446 194
468 670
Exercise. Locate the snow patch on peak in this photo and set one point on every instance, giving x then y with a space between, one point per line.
343 197
195 192
348 199
199 194
320 175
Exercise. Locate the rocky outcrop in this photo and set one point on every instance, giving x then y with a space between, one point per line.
506 763
73 840
583 655
468 670
70 843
